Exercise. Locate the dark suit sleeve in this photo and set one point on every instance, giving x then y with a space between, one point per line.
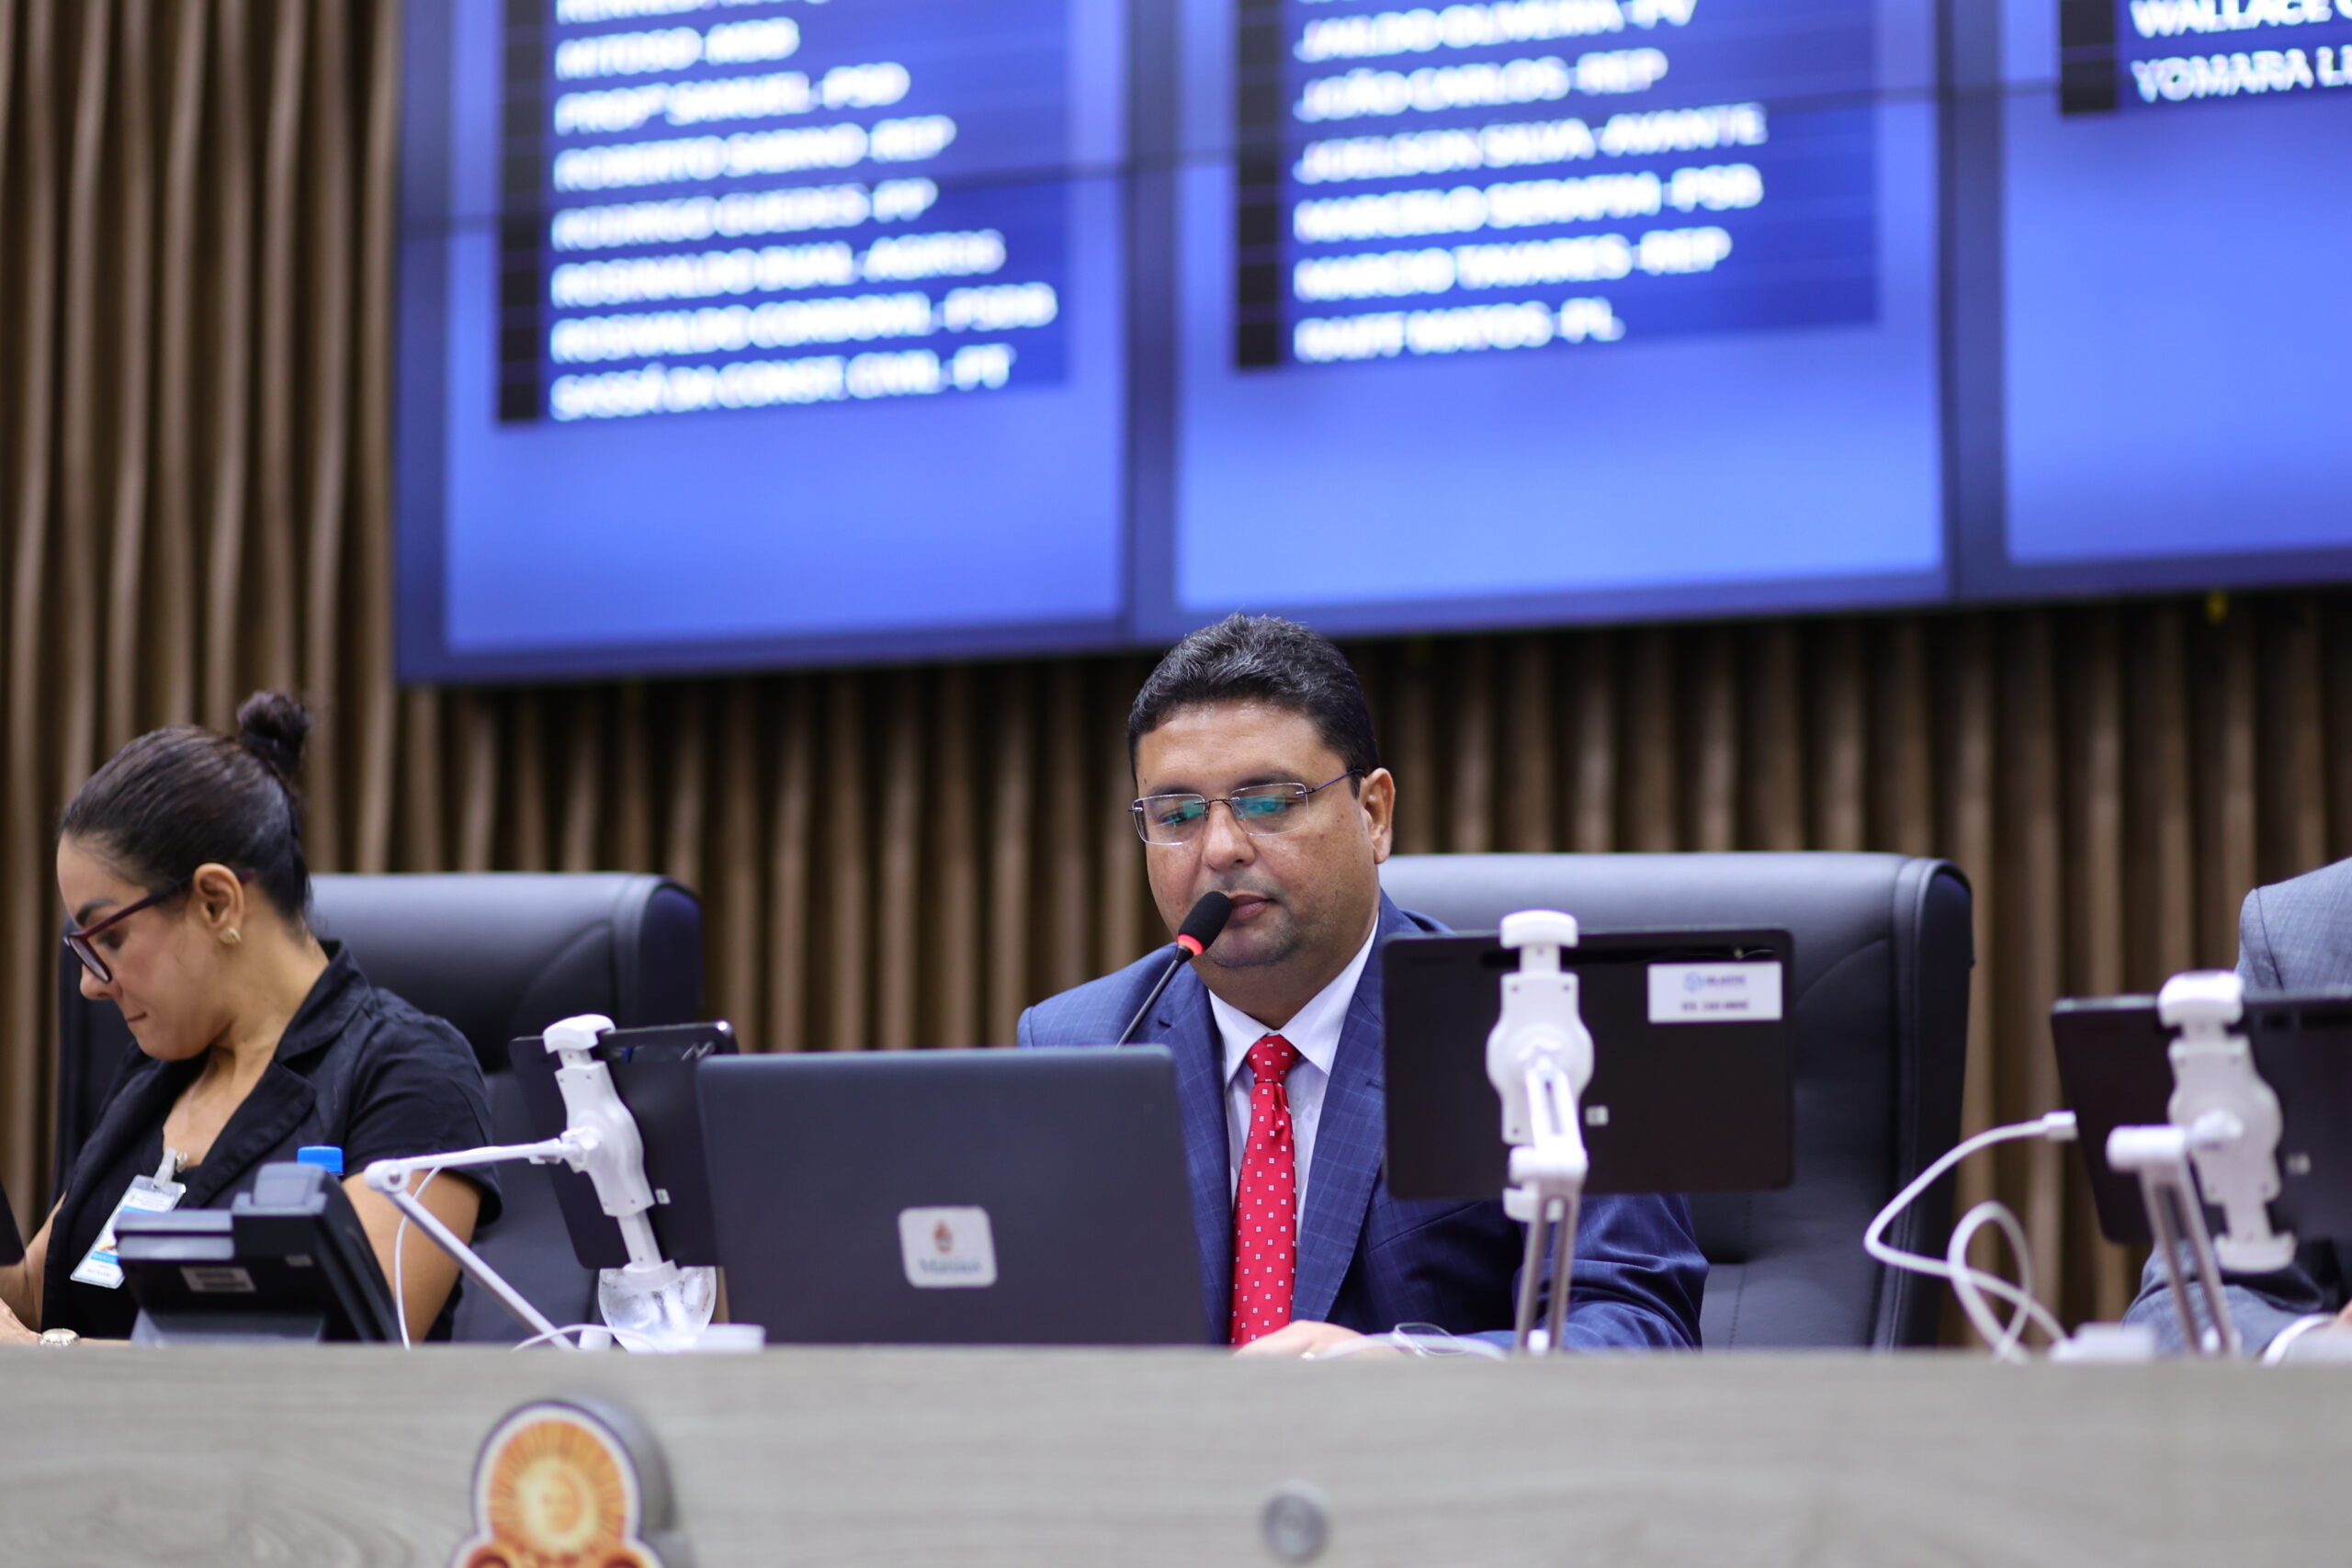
2258 965
2262 1305
1638 1280
1639 1276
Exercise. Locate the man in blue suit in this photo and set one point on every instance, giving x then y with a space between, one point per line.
1258 776
2292 936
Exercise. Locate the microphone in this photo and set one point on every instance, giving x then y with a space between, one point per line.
1192 938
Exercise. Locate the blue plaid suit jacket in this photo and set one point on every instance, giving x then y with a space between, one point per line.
1366 1260
2292 936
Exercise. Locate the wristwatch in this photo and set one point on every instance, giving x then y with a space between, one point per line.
59 1337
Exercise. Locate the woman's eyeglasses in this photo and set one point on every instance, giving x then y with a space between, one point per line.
78 941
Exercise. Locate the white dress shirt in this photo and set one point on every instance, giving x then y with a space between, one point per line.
1314 1032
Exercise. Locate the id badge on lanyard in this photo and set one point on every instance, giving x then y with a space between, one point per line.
155 1194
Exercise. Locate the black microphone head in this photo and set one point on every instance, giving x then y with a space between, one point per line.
1201 926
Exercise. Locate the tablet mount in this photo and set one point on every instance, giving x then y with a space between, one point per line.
1539 1057
2224 1120
650 1303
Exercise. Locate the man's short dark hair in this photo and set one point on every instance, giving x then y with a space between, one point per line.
1261 659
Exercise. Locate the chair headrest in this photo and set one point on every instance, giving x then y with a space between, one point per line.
1830 903
504 953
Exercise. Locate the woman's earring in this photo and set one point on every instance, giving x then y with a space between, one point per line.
231 936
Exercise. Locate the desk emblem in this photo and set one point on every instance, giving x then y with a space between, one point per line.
565 1485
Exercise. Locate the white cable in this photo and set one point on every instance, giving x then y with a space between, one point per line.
1969 1284
620 1335
399 1278
2006 1341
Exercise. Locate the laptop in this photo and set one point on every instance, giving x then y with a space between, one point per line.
954 1197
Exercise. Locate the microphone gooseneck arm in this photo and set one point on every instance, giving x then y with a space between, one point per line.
1192 938
1185 954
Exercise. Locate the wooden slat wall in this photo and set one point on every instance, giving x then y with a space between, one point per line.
196 227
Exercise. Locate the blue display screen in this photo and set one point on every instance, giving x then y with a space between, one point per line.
1497 177
752 331
745 333
2177 405
2144 54
1566 309
676 274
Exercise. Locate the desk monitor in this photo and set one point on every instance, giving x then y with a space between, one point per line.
287 1260
1689 1093
653 1073
955 1197
2114 1064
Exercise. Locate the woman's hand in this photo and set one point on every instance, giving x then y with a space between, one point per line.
20 1284
12 1329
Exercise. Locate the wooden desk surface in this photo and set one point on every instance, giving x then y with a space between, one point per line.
1030 1460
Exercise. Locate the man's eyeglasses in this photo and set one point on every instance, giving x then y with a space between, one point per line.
1262 810
78 939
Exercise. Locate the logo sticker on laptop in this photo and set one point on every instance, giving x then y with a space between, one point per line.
1715 993
948 1249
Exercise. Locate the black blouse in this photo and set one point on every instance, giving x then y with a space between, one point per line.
356 1067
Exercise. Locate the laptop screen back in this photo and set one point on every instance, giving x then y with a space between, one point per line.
954 1197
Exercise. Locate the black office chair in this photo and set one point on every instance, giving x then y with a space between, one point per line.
1879 1001
500 955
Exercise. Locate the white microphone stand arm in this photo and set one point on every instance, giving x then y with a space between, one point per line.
614 1156
2223 1118
389 1177
601 1140
1539 1057
2159 1157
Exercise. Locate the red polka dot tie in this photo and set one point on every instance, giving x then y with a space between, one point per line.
1265 1203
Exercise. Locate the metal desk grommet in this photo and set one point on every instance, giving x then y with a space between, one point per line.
1297 1524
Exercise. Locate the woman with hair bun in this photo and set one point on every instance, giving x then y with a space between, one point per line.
181 864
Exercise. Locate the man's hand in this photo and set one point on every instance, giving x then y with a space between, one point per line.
1306 1341
2330 1340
